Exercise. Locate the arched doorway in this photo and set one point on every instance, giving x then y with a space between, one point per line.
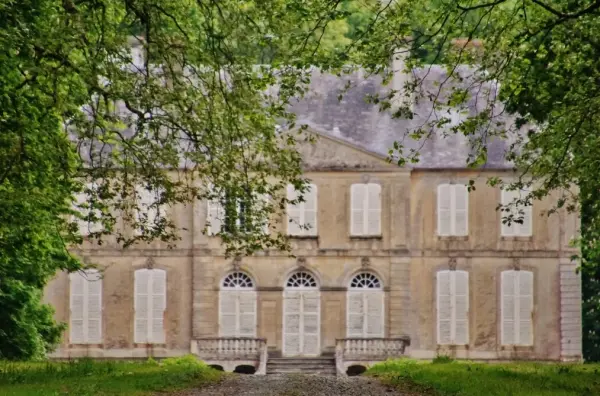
301 316
365 312
237 306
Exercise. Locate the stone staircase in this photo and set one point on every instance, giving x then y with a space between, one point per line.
316 365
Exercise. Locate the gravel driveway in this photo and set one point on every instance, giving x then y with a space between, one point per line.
294 385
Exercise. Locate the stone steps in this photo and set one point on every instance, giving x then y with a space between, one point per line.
319 365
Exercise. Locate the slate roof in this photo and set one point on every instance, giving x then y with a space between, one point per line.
363 124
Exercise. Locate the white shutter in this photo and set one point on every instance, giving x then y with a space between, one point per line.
141 305
461 307
265 203
302 217
356 318
94 307
215 215
374 301
294 213
525 308
358 197
246 314
310 322
508 312
291 322
77 305
444 308
86 228
444 211
526 228
310 210
373 209
460 208
156 331
228 300
517 229
147 214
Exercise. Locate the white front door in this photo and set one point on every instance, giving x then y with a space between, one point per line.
301 323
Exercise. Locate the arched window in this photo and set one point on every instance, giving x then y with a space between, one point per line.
301 316
150 303
365 310
301 280
237 280
86 307
237 306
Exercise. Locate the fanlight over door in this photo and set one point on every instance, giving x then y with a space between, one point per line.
301 316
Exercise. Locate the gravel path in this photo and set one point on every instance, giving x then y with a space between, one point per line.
295 385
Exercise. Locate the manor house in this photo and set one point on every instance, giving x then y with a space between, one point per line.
395 261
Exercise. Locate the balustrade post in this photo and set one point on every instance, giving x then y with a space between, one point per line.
340 346
262 357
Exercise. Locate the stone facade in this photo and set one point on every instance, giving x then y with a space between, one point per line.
404 257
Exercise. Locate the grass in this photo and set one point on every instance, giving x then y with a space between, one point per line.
88 377
447 377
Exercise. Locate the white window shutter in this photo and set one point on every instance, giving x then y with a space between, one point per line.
85 228
294 213
508 311
525 308
94 307
156 332
246 314
77 307
375 308
311 327
373 209
215 216
444 209
310 210
526 228
507 198
228 313
460 208
358 197
444 308
291 311
355 321
141 305
461 307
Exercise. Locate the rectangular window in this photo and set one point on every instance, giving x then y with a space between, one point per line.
237 212
365 209
518 212
149 209
453 307
517 308
453 210
90 221
150 303
86 307
302 217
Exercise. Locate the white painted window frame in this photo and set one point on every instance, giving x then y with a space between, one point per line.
516 227
453 322
301 210
238 290
453 209
149 339
364 291
365 210
517 308
84 276
315 289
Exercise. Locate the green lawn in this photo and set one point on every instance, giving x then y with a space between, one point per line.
87 377
481 379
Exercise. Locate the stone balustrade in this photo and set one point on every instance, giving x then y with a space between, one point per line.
365 351
229 352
